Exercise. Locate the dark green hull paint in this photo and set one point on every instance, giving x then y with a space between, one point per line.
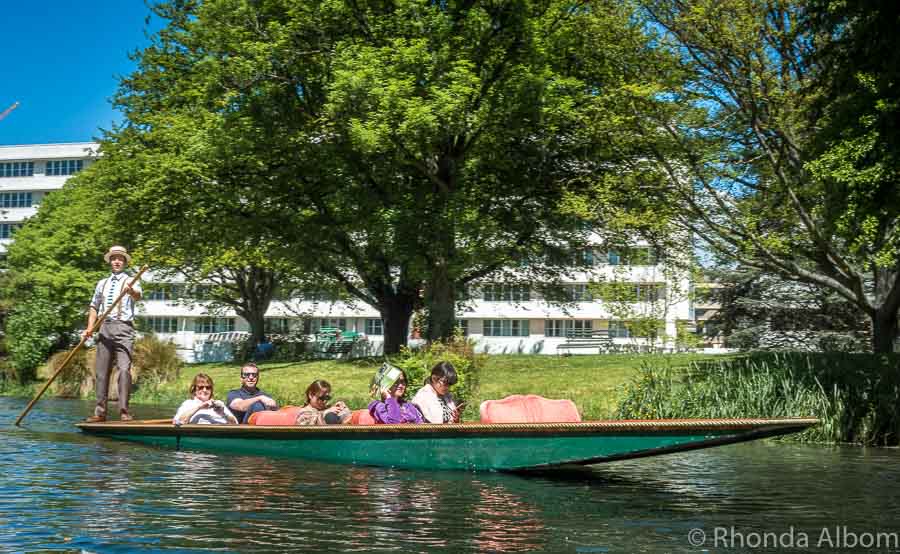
473 447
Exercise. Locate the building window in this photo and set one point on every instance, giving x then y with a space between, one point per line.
643 255
200 292
619 330
17 169
579 292
650 292
639 255
584 257
64 167
632 292
160 292
320 322
15 200
158 324
7 230
506 327
498 292
278 325
567 327
213 324
463 325
374 327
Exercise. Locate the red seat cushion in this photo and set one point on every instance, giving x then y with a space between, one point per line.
529 408
362 417
283 416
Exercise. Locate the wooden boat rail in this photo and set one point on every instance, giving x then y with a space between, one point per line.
607 426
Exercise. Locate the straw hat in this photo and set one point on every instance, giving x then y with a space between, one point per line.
117 250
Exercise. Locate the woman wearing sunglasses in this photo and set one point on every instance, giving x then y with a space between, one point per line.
316 410
393 407
201 407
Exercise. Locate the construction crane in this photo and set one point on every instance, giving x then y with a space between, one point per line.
8 110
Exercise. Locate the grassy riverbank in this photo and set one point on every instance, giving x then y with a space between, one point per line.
591 381
857 396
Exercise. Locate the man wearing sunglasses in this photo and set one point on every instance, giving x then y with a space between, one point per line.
249 399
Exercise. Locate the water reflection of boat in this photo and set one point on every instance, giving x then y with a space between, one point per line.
468 446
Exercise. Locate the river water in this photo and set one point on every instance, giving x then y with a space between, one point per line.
64 491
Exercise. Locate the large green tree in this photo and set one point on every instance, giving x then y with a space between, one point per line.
766 161
141 175
51 270
400 149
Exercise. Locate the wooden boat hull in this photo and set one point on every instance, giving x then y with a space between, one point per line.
468 446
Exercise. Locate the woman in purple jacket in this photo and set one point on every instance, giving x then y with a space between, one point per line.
393 408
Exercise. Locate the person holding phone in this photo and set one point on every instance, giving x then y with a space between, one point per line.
202 407
316 410
435 400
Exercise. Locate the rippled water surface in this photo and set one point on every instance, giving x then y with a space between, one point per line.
61 490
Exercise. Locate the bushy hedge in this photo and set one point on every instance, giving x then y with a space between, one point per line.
154 362
459 351
31 332
857 396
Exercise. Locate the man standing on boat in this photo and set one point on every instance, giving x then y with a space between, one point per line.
248 399
116 339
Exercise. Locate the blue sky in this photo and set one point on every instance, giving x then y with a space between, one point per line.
61 59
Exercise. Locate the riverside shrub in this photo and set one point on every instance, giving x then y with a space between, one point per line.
31 335
857 396
154 362
459 351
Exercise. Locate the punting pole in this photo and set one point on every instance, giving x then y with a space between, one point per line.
65 362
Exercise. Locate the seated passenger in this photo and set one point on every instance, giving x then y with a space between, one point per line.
393 408
316 410
201 407
435 400
249 399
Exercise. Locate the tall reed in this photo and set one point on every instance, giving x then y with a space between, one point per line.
857 396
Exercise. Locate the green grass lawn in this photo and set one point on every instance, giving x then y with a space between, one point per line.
588 380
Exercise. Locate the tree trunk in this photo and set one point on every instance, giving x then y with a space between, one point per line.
256 286
884 331
440 299
396 311
440 291
257 321
884 316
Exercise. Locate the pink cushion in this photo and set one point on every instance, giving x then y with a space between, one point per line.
283 416
362 417
529 408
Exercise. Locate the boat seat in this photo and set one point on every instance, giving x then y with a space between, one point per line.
283 416
362 417
528 408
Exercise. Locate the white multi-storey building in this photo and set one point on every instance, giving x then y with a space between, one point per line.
29 172
501 318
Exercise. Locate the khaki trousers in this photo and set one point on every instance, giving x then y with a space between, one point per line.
113 346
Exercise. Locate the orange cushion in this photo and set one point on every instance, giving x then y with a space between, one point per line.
529 408
284 416
362 417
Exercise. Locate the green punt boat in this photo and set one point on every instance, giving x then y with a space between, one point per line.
464 446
